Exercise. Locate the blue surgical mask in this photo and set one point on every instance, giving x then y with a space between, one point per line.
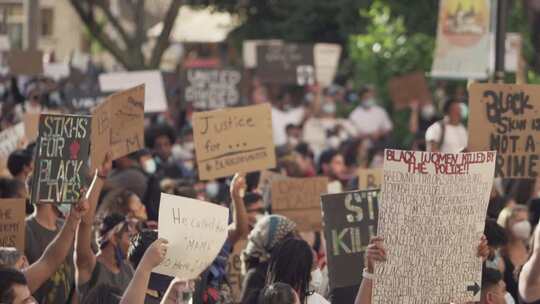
329 108
64 209
150 166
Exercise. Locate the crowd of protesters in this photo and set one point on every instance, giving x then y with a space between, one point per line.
103 249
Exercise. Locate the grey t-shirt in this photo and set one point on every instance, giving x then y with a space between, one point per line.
61 284
102 275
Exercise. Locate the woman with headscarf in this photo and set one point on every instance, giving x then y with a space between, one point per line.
264 237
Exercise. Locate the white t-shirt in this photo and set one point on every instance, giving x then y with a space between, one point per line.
370 120
281 119
316 298
455 137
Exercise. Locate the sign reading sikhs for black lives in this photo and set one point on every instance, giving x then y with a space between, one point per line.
350 220
61 167
431 217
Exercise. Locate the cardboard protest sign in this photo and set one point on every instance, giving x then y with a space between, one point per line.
28 63
10 140
156 99
196 231
408 88
265 185
288 63
234 270
506 118
350 220
63 150
210 89
233 140
12 214
299 199
431 217
326 59
369 179
464 40
31 125
118 125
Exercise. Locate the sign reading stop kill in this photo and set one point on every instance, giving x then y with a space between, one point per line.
233 140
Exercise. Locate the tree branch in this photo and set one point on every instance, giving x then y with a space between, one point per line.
163 40
96 30
114 20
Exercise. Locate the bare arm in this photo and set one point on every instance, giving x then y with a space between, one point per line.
136 290
239 228
375 253
85 259
57 251
413 120
529 279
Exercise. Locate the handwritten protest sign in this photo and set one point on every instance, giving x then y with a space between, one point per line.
234 270
233 140
196 231
350 220
369 179
326 59
10 139
28 63
63 149
300 200
118 125
210 89
506 118
408 88
431 217
288 63
156 99
12 214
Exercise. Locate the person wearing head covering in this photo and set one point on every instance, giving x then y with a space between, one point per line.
264 237
109 265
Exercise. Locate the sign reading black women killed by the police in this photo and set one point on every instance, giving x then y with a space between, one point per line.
233 140
432 213
61 167
506 118
350 220
288 63
210 89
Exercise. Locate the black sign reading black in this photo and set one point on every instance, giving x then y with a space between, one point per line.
209 89
61 167
350 220
286 64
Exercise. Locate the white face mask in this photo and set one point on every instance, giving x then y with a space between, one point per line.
428 111
329 108
212 189
509 299
292 141
316 280
150 166
522 230
370 102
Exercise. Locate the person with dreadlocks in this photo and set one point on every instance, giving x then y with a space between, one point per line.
293 262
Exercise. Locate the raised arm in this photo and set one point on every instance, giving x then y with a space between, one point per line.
529 279
375 253
239 228
136 290
85 259
57 251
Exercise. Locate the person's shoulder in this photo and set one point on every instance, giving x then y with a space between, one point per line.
316 298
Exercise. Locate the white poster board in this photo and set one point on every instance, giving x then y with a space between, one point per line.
431 218
463 40
196 231
155 98
326 57
10 139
